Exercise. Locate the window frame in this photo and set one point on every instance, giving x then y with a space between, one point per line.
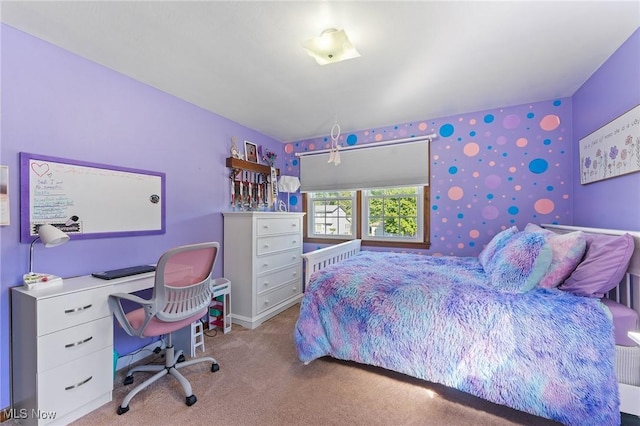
358 223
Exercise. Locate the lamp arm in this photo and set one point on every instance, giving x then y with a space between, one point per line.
31 255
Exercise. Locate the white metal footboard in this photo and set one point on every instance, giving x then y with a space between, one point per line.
626 293
318 259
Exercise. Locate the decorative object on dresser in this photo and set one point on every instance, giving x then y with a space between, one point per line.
263 261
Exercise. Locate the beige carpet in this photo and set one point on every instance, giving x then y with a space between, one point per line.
261 382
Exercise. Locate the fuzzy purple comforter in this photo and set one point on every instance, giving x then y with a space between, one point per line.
544 352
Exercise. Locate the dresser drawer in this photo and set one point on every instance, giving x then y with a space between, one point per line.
76 383
278 260
277 225
267 245
273 298
74 342
276 279
67 310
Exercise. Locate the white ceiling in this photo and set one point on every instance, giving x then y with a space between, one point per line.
420 59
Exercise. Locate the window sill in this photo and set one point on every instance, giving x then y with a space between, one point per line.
370 243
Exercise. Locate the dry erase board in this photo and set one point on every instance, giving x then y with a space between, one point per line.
89 200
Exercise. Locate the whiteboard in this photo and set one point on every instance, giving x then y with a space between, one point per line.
89 200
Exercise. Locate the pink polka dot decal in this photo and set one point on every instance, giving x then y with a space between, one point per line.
544 206
288 148
522 142
471 149
455 193
422 127
550 122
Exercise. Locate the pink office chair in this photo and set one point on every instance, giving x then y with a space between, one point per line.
181 295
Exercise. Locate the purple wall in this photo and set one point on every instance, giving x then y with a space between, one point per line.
610 92
489 170
58 104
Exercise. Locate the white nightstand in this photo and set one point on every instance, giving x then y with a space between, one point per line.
635 336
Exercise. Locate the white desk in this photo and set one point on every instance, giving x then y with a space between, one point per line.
62 347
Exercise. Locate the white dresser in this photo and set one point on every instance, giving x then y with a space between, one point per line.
262 259
62 346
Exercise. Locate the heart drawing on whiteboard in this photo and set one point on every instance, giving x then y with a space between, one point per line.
40 168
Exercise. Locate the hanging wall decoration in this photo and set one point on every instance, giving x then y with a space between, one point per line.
612 150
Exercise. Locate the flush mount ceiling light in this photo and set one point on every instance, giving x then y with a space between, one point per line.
332 46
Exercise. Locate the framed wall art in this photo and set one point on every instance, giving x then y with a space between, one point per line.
251 151
612 150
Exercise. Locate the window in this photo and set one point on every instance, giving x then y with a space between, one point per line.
331 214
390 217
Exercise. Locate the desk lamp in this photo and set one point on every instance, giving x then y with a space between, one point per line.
288 184
50 236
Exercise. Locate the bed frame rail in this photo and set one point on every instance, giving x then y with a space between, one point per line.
626 293
321 258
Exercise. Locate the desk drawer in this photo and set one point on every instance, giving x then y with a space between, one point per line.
76 383
267 245
278 260
68 310
74 342
277 225
273 298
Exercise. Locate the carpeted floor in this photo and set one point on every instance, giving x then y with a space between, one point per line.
261 382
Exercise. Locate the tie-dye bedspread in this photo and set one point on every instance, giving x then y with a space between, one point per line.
544 352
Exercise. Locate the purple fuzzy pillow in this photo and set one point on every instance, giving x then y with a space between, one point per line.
603 267
498 241
520 264
568 250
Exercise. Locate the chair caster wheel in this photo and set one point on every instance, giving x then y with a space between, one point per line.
122 410
214 367
190 400
181 358
128 380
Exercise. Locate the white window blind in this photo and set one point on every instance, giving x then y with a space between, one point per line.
393 165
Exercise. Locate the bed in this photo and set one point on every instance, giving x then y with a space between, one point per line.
520 325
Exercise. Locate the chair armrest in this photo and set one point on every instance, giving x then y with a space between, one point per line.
635 336
115 304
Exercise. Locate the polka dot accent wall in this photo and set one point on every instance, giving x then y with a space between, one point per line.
489 170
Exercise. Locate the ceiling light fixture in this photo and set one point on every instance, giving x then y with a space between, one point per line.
330 47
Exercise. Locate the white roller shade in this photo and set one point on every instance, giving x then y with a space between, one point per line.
405 164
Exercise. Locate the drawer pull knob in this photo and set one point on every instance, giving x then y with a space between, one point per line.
69 345
294 241
266 226
294 274
78 384
266 246
266 302
264 265
70 311
266 283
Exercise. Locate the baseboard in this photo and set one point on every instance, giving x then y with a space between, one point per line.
124 361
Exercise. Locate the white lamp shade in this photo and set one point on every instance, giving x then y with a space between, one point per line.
51 236
288 183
